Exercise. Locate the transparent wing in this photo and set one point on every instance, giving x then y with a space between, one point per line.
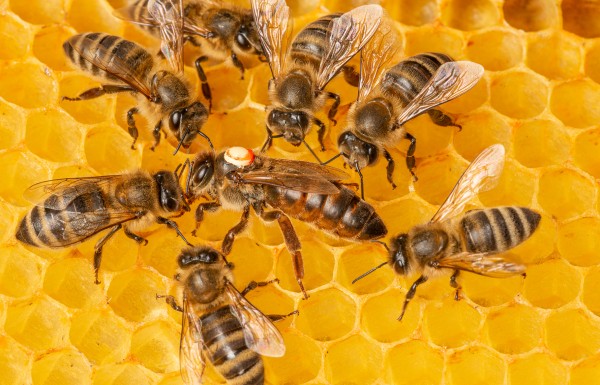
112 64
272 20
191 346
259 332
299 166
450 81
375 56
39 193
482 264
481 175
347 35
168 14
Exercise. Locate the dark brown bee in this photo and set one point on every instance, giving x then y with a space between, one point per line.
387 99
300 75
219 324
470 241
162 94
69 211
236 179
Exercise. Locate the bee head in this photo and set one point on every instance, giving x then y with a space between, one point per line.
357 151
185 123
398 254
291 124
198 255
202 170
246 37
169 192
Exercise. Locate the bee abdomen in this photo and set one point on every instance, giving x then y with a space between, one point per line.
107 55
498 229
408 77
310 44
227 350
49 227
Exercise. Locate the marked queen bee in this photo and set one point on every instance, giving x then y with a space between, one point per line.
390 97
301 73
236 179
469 241
69 211
219 324
226 29
163 93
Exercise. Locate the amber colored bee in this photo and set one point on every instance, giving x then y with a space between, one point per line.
163 94
226 29
237 179
219 324
388 98
69 211
469 241
301 73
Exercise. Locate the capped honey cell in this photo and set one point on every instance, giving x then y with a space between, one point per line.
538 369
413 362
530 15
353 359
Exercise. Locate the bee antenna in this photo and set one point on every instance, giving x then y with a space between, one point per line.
181 141
368 272
311 151
362 185
202 134
332 159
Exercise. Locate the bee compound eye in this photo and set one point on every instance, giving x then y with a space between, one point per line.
175 120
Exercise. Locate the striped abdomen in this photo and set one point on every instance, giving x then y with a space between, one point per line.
138 12
104 55
407 78
343 214
497 229
226 348
310 44
61 220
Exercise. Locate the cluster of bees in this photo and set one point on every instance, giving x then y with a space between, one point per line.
218 323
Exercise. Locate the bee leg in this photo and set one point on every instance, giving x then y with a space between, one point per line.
235 230
170 300
204 81
253 285
172 225
410 155
98 249
411 293
135 237
351 76
291 241
131 127
441 119
99 91
190 39
237 64
334 107
202 207
280 317
455 284
390 168
320 133
156 134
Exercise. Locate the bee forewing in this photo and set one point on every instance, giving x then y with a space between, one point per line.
483 264
348 35
272 20
169 18
482 174
39 193
450 81
260 334
191 346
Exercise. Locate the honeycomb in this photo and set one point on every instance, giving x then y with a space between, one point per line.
539 97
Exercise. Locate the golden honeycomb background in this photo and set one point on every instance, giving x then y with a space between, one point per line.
540 97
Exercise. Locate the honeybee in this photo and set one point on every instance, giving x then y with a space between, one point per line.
219 324
300 74
69 211
387 99
162 93
227 29
237 179
469 241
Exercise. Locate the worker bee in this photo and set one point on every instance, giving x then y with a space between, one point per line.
237 179
226 28
387 99
69 211
469 241
164 94
301 73
219 324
